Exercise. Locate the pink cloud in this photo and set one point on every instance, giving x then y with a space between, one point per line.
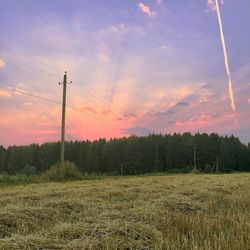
2 63
5 93
248 100
205 122
202 119
130 116
212 4
145 9
159 1
190 122
106 112
127 117
183 92
93 131
89 109
120 28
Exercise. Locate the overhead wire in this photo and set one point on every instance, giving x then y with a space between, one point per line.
112 106
60 69
16 66
32 59
102 99
23 92
95 101
19 65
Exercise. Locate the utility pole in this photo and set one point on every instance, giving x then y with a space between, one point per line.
217 166
64 83
195 167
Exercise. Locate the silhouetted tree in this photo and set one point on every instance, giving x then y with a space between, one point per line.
133 155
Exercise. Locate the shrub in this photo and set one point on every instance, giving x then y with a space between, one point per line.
66 172
19 179
29 170
195 171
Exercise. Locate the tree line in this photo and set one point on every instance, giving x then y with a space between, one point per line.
133 155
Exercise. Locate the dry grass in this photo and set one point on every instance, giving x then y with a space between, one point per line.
158 212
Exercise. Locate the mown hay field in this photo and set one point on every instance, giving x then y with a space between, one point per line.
152 212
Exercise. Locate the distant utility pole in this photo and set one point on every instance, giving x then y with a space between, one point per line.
216 166
63 115
195 167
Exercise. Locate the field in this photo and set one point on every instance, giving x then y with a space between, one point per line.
151 212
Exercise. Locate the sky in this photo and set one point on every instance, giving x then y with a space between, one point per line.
137 67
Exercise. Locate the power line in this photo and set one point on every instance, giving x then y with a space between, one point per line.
96 118
80 111
113 107
32 59
95 101
23 92
49 65
102 99
30 67
42 71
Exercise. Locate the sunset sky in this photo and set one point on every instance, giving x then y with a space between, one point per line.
137 67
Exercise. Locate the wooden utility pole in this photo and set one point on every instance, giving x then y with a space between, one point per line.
63 116
217 166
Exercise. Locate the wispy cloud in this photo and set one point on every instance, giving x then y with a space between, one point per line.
205 93
140 131
201 119
166 113
182 104
28 103
106 111
104 55
127 117
183 92
120 28
145 9
167 49
89 109
159 1
2 63
206 86
138 71
212 4
4 93
179 106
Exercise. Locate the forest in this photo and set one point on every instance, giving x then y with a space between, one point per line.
132 155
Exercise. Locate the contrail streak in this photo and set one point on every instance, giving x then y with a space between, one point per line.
231 95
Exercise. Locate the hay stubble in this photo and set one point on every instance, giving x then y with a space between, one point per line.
154 212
